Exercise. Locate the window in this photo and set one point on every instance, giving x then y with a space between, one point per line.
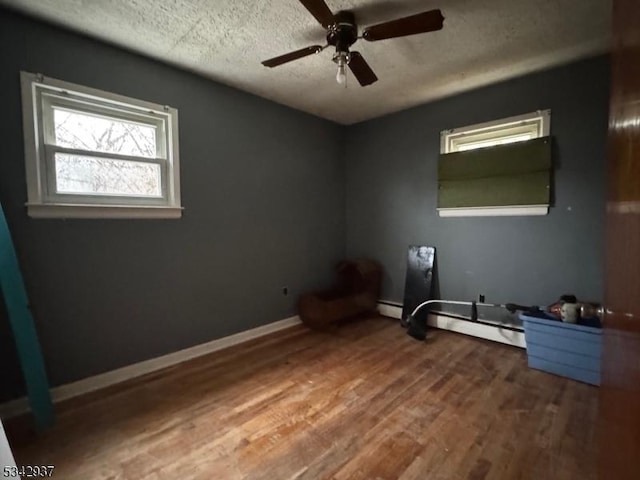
496 168
93 154
509 130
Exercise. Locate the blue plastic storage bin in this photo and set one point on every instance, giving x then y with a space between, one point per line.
563 349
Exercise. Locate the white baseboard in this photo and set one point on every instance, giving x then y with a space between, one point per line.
479 330
97 382
391 311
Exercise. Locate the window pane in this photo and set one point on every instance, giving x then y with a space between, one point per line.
81 175
495 141
92 132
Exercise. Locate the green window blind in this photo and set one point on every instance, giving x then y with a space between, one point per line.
515 174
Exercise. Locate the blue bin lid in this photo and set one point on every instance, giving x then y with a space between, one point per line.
545 319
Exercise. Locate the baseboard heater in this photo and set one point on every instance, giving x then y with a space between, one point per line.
487 329
500 325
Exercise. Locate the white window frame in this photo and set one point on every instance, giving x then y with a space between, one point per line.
39 95
537 124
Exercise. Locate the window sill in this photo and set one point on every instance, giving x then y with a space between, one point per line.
50 210
530 210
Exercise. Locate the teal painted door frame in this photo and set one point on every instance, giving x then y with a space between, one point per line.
24 330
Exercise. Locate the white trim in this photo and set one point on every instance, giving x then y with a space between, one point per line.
521 211
542 117
505 121
103 380
40 94
102 211
479 330
390 311
466 327
63 87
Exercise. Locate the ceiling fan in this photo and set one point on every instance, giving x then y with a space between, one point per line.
342 33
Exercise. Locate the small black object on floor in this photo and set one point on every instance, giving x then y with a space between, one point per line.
417 328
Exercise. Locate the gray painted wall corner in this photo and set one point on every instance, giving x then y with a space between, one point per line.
263 190
392 191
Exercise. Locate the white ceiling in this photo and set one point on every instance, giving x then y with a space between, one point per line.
483 41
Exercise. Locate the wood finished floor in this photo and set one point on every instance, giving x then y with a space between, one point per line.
362 402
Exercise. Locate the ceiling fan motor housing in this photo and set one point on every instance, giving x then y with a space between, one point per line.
344 32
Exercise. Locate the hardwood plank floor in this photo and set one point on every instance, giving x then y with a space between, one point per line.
362 402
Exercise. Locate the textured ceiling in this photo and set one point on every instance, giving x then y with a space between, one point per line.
483 41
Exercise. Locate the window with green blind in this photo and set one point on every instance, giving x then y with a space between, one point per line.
497 168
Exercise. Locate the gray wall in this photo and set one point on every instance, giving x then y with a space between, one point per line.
263 188
392 186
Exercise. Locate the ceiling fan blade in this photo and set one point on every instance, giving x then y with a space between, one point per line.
288 57
361 69
421 23
320 11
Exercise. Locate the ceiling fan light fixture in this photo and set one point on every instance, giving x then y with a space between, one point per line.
341 76
342 60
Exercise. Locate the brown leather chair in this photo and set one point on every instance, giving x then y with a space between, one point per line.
356 292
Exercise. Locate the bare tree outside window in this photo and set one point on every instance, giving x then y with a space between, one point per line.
84 174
